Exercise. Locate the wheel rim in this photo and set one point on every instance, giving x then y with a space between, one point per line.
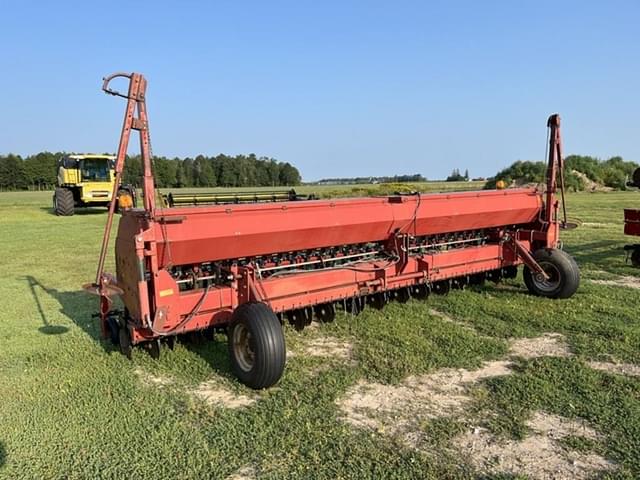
552 283
244 354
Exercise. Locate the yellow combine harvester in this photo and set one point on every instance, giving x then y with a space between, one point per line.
87 181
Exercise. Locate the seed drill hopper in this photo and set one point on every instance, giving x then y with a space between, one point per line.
249 267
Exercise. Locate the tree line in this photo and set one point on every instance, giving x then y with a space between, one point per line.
456 176
39 171
363 180
613 172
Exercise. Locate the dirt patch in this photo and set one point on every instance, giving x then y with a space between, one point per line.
547 345
621 281
245 473
329 347
619 368
215 394
398 409
539 455
596 224
150 380
448 319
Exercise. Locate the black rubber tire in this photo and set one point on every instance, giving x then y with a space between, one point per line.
494 276
441 287
459 283
114 330
563 270
635 255
419 291
400 295
262 333
125 342
355 305
325 312
477 279
377 300
154 349
510 272
63 202
299 318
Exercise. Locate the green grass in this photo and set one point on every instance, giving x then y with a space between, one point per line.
73 407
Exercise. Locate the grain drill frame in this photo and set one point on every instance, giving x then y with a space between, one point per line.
247 267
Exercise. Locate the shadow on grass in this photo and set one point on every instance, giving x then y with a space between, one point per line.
79 306
3 455
80 211
47 328
212 347
598 253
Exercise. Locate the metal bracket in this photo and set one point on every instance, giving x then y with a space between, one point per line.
528 259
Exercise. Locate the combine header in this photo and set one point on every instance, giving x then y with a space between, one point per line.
248 267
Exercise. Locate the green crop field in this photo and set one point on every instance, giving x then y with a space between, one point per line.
485 382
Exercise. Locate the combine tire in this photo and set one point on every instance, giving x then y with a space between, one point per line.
256 345
63 202
563 272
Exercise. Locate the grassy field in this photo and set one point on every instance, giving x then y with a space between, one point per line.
73 407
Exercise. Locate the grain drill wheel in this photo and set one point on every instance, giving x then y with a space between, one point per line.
495 276
459 283
299 318
400 295
154 348
63 202
377 300
256 345
441 288
510 272
124 339
355 305
419 291
563 272
113 328
326 312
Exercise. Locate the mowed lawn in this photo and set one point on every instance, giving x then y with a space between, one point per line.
72 407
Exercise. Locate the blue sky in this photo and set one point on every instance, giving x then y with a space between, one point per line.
336 88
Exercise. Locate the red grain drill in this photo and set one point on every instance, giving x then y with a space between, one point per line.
248 267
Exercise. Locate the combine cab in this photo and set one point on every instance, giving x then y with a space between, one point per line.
248 267
88 181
